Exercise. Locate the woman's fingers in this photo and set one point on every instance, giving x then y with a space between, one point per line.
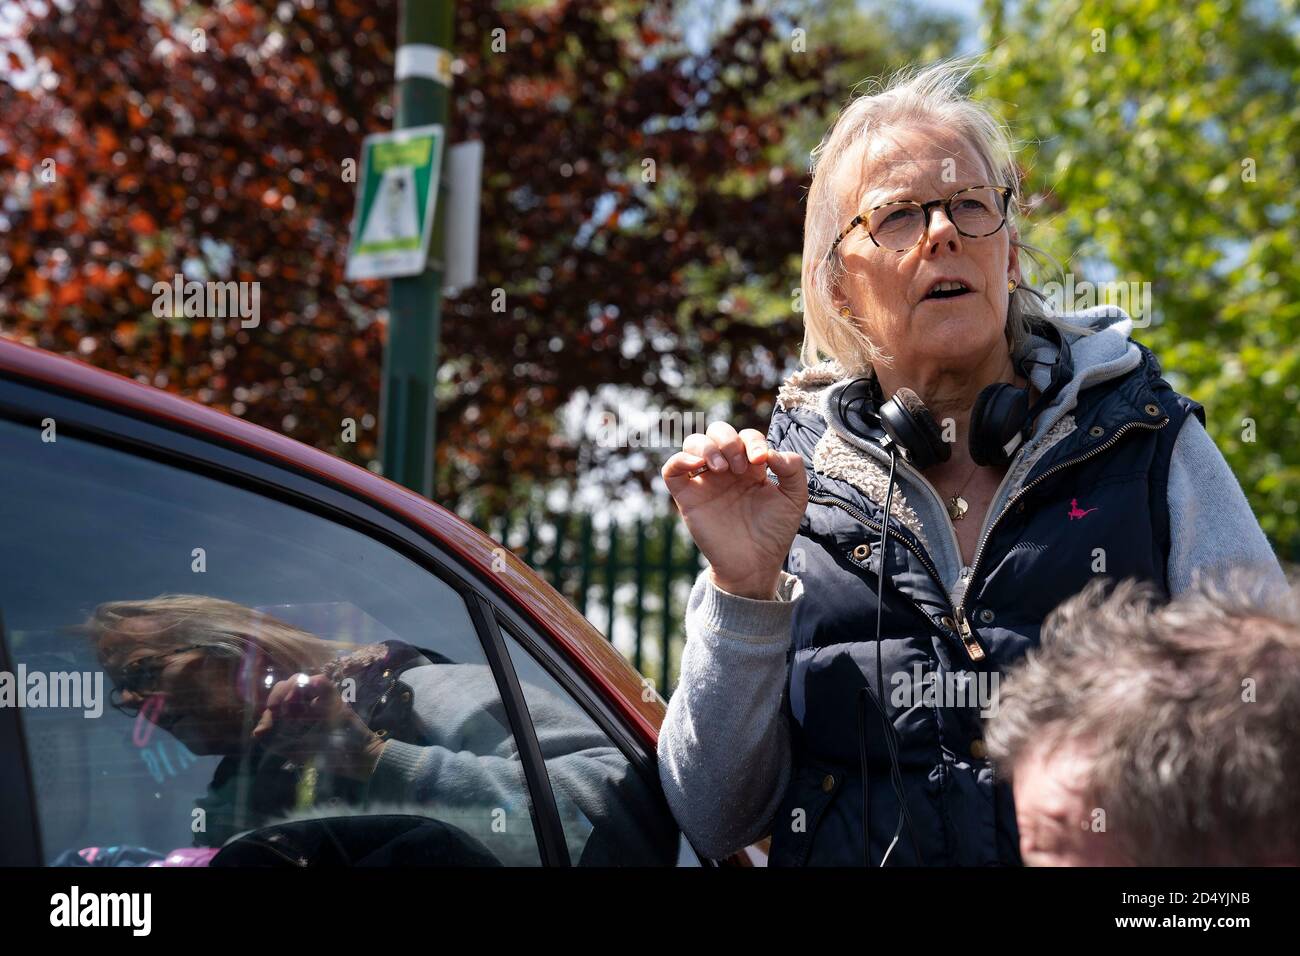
682 465
300 717
729 443
757 452
292 700
281 692
265 723
276 701
702 446
308 698
723 449
789 469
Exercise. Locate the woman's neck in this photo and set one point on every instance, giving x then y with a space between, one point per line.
950 393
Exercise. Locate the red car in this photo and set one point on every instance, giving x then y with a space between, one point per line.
142 533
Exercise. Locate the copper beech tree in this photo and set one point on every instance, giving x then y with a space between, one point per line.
630 182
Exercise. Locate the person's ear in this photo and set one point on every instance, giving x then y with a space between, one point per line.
254 668
839 301
1013 259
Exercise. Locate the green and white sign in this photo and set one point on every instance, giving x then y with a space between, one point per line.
395 203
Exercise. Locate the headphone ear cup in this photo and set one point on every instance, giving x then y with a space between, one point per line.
999 412
856 409
910 424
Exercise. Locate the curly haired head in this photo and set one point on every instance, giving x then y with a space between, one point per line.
1181 717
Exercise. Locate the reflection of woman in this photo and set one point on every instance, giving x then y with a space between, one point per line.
222 679
1052 452
380 726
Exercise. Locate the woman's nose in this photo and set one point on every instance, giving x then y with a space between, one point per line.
938 226
131 698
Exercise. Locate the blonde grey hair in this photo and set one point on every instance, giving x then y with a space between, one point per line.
910 97
219 626
1186 713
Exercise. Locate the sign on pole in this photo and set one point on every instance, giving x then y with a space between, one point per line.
396 197
460 247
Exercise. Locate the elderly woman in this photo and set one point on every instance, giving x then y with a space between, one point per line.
838 665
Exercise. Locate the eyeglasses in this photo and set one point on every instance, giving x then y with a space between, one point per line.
141 677
976 211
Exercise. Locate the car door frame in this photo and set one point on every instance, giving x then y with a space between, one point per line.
20 832
30 402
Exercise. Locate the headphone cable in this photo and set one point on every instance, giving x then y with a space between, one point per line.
891 737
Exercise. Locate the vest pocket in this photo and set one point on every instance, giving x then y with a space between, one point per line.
812 790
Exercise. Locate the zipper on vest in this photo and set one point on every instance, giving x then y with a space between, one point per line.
960 610
973 649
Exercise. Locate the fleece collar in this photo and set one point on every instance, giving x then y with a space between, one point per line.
1107 353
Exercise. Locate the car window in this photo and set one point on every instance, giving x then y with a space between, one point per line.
611 813
160 612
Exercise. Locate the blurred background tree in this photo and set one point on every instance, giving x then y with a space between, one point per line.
624 173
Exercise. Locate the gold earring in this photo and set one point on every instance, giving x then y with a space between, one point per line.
845 311
1011 285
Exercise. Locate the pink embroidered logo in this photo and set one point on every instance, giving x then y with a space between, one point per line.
1075 511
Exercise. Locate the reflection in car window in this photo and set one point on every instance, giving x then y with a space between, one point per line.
612 815
276 688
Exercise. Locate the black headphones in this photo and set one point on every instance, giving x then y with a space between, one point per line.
1000 421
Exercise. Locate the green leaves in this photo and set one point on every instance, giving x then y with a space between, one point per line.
1183 172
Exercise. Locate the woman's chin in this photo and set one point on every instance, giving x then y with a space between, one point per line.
968 306
954 323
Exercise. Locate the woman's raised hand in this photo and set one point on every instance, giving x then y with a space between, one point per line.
741 522
306 718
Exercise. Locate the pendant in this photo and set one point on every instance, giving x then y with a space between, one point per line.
957 507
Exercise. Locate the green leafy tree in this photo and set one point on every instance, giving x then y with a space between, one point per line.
1162 145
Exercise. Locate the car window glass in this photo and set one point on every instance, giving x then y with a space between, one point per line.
611 813
194 602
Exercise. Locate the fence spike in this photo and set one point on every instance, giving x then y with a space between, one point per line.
640 589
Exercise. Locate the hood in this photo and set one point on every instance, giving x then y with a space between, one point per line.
1105 353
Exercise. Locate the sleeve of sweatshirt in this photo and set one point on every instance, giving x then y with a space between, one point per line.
1211 524
467 771
724 747
484 794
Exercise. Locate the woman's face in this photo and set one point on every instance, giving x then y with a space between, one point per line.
887 289
192 694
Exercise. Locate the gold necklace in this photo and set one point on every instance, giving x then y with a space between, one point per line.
957 505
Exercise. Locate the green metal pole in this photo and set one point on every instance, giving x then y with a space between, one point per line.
611 576
561 525
415 302
584 581
667 607
640 591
